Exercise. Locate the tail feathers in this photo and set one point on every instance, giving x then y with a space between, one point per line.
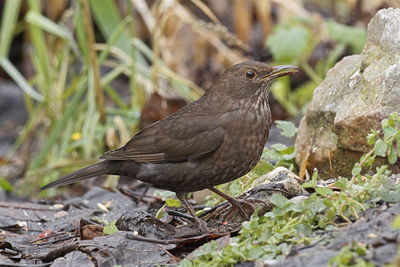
85 173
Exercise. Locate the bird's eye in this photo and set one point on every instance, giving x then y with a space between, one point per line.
250 74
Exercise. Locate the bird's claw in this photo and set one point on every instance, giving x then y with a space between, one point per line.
245 208
201 226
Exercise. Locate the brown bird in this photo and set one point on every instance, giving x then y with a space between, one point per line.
213 140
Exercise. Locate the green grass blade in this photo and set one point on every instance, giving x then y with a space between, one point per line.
110 76
8 22
107 17
113 39
80 32
40 58
46 24
19 79
115 97
65 140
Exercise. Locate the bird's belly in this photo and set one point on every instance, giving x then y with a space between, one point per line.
186 176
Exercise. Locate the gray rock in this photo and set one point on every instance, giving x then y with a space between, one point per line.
355 96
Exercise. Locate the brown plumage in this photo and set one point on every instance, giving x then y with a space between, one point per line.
214 140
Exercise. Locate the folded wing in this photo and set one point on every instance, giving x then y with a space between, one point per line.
174 139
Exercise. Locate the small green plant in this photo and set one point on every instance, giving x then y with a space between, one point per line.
270 236
172 202
351 256
388 147
110 228
281 154
6 185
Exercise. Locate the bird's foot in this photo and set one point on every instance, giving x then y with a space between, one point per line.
201 225
243 207
198 224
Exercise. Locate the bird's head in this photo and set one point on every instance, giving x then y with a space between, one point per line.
249 78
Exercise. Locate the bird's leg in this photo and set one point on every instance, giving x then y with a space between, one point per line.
198 223
235 204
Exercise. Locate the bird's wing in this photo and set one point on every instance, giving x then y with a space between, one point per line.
174 139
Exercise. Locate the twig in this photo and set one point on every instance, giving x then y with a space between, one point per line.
180 214
59 252
56 241
153 240
49 236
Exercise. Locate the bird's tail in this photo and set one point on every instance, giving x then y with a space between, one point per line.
85 173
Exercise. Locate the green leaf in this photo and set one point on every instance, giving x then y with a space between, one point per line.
279 200
331 213
394 116
262 168
279 147
313 182
392 156
256 252
396 222
324 191
110 228
160 212
380 148
370 160
389 131
397 136
385 123
355 37
398 147
173 202
356 169
289 42
341 183
371 138
185 263
271 155
288 128
289 156
5 185
309 184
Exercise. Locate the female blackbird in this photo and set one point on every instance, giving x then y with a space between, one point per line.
213 140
